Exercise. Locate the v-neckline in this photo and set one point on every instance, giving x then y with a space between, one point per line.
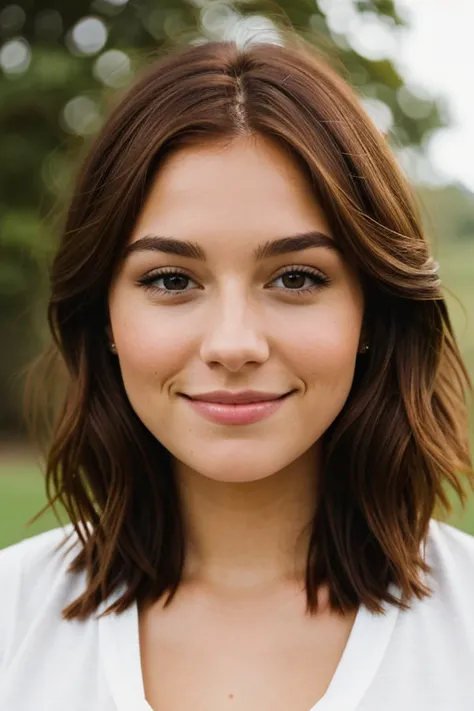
368 640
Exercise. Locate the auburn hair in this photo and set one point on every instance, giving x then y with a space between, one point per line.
402 436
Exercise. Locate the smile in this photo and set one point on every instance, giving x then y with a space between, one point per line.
243 414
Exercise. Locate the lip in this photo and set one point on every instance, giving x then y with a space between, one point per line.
236 398
236 414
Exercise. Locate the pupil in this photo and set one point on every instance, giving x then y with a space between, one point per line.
295 277
172 278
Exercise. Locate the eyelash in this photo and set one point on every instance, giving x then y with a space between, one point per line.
146 282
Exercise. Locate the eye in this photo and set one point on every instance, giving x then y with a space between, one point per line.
317 279
174 281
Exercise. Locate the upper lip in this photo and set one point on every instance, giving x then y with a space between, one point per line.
244 396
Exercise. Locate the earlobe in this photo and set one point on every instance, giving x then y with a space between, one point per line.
110 339
364 341
363 347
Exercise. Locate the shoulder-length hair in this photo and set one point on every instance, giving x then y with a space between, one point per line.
402 435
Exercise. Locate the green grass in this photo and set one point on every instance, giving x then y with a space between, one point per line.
22 496
457 274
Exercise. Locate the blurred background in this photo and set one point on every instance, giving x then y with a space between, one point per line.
62 63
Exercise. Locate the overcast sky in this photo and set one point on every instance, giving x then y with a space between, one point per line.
438 52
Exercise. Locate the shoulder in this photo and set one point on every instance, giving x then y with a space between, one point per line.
450 549
35 557
41 542
34 583
450 553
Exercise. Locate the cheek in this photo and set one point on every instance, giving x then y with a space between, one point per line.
151 345
322 345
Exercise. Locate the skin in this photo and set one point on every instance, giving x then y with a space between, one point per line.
248 492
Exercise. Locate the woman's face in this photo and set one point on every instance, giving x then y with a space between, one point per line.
282 322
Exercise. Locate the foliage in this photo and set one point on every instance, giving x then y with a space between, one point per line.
53 100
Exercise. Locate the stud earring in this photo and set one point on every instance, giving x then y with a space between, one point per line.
113 347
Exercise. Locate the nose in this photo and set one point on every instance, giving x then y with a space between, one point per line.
233 336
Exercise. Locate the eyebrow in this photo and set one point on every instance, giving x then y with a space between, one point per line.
192 250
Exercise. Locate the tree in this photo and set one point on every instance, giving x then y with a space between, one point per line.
62 62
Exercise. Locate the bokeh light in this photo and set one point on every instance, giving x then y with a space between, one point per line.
372 38
89 35
113 68
379 112
412 105
81 116
15 56
219 20
254 28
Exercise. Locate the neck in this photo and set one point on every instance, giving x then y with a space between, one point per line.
248 536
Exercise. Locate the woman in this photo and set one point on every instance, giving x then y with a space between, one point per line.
264 404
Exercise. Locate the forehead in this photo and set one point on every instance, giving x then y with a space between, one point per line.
245 189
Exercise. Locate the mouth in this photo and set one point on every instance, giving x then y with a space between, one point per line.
237 404
237 414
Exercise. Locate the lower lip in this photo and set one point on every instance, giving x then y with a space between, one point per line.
236 414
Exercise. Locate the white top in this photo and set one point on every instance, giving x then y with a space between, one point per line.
415 660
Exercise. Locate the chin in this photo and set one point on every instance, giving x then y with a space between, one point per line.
233 477
237 468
